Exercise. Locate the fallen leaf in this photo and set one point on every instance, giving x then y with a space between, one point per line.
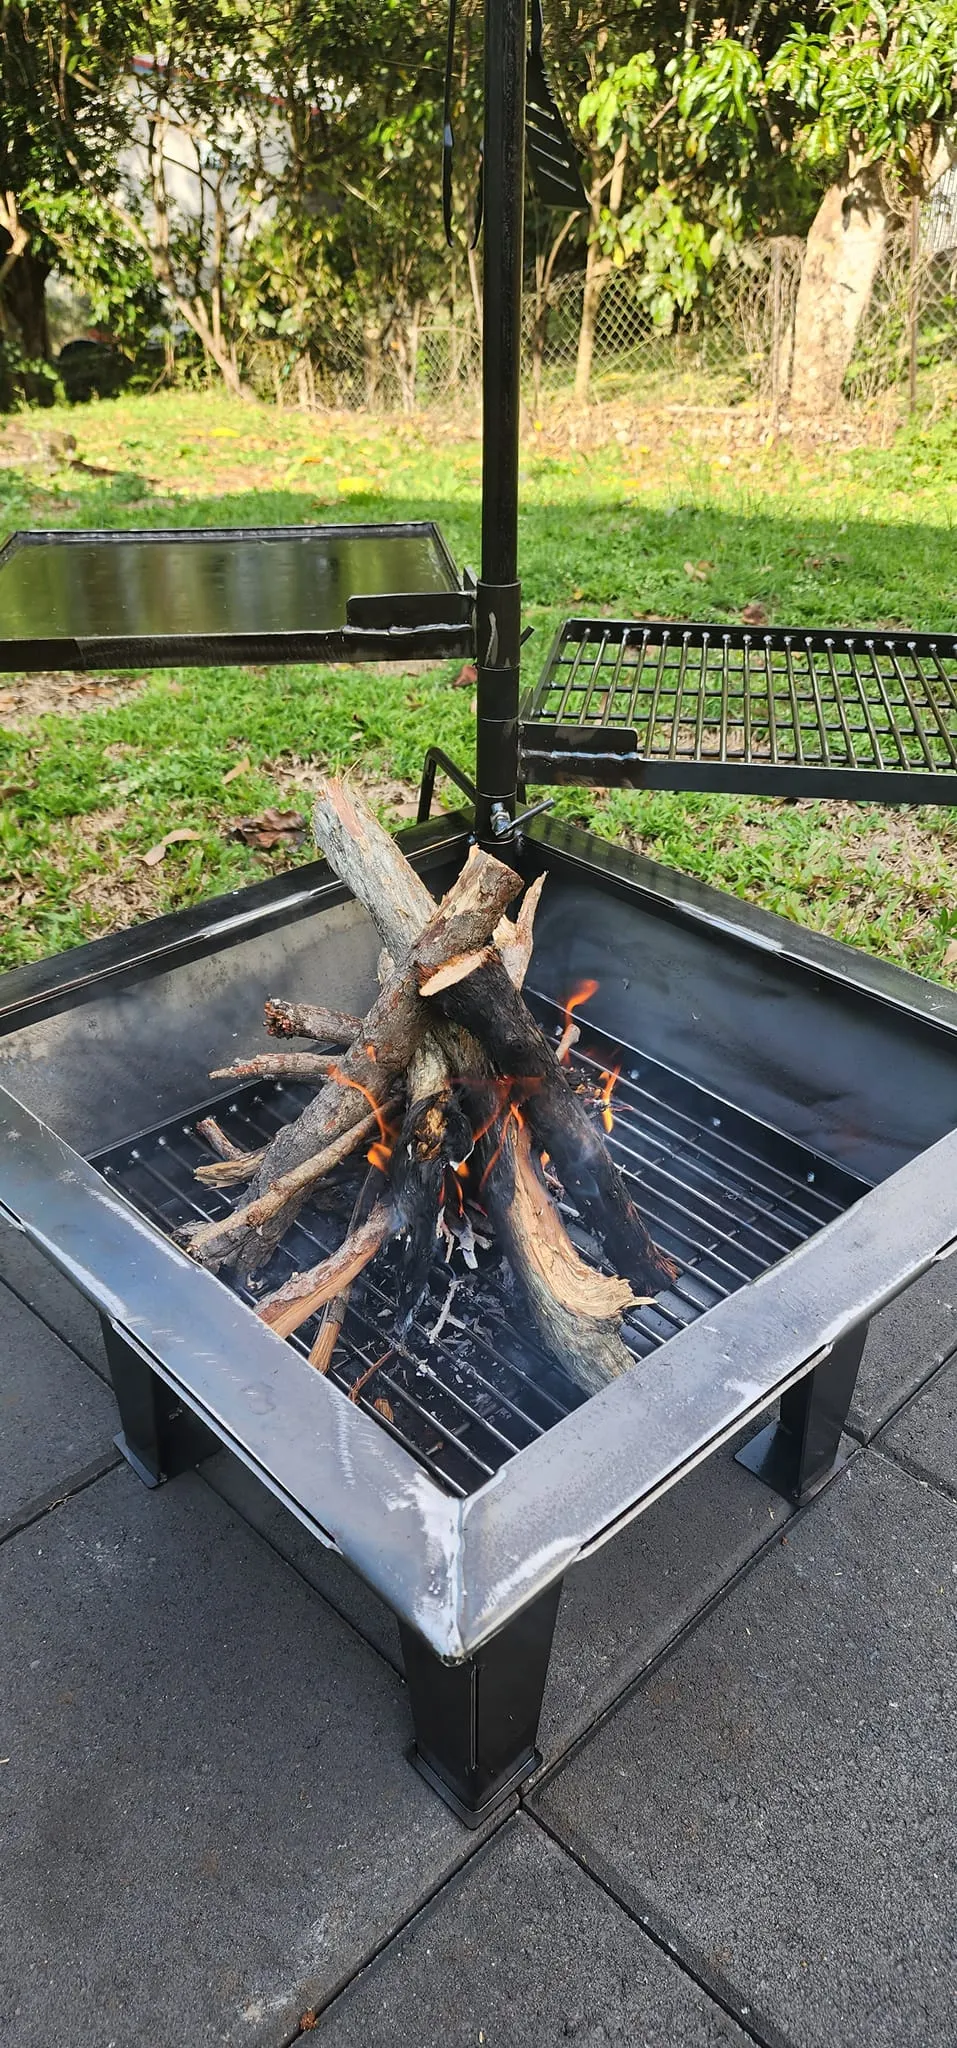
158 852
242 768
7 697
384 1409
308 2020
13 789
467 676
754 614
272 828
699 571
950 957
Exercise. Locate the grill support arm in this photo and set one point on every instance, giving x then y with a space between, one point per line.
800 1452
498 595
476 1723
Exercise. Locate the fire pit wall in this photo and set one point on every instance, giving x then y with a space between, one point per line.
808 1038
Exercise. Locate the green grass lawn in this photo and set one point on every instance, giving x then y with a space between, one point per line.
95 772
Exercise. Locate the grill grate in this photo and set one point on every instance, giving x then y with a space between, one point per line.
693 706
724 1194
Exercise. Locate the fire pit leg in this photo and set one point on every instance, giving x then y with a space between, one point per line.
159 1437
476 1722
797 1454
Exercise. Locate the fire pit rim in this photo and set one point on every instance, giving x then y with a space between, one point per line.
457 1571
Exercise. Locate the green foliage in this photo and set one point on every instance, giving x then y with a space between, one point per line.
872 81
62 123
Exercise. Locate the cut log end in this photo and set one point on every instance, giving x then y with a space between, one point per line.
310 1020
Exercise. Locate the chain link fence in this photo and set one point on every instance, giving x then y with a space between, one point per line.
735 345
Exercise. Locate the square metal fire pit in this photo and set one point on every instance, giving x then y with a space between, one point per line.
787 1105
785 1111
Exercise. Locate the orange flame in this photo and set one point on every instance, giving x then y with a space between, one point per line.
380 1151
513 1115
608 1079
582 994
502 1090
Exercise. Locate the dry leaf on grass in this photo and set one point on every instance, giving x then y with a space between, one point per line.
242 768
950 956
272 828
466 678
754 614
158 852
698 571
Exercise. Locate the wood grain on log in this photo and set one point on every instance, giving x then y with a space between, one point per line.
313 1067
215 1243
577 1309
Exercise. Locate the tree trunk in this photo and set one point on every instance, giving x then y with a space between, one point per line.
596 270
844 249
597 266
24 304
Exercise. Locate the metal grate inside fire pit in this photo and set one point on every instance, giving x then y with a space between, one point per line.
723 1193
678 706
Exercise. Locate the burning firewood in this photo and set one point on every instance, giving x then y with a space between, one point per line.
450 1027
476 991
383 1052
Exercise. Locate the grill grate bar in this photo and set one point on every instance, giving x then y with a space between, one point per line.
682 1127
862 703
726 1195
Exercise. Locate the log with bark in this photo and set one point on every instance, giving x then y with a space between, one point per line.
448 1032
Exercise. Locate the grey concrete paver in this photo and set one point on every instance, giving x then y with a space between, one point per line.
924 1436
52 1297
522 1950
626 1603
207 1817
781 1790
618 1610
905 1344
56 1418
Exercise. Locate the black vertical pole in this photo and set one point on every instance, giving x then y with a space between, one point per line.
498 602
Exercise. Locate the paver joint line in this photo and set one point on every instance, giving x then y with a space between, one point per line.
476 1847
74 1483
907 1400
695 1621
670 1942
915 1471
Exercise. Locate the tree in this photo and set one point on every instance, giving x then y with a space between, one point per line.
828 118
874 91
62 124
680 162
